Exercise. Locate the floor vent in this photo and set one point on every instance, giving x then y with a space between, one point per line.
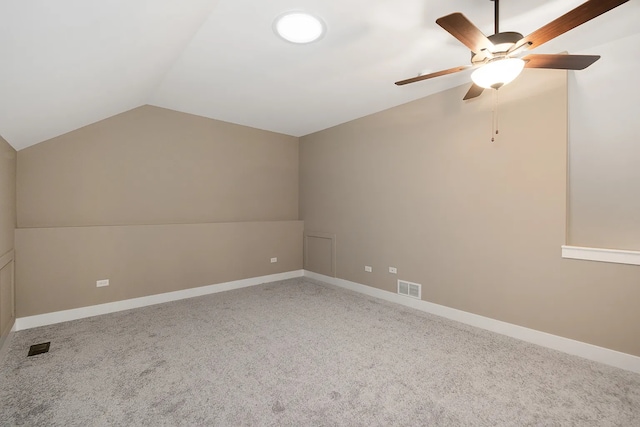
413 290
39 348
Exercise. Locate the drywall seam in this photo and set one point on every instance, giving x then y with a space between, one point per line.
577 348
112 307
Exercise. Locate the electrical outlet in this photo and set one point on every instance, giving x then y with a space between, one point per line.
393 270
368 268
274 260
101 283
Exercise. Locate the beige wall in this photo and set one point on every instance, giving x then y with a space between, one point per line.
7 227
155 201
421 188
156 166
57 268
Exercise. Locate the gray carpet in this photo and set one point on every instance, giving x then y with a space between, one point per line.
300 353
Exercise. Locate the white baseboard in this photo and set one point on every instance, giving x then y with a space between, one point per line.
577 348
112 307
566 345
617 256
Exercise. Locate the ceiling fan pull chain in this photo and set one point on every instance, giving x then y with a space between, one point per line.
497 108
494 118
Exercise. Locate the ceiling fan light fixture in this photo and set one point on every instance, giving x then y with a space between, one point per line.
498 73
299 27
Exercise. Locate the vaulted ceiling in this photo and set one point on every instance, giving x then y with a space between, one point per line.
68 63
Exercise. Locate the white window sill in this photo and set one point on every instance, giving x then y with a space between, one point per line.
616 256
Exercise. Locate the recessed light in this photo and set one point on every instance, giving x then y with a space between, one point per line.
299 27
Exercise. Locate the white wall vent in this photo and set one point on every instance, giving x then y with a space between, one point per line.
413 290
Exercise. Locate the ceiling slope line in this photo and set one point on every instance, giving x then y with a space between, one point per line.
154 90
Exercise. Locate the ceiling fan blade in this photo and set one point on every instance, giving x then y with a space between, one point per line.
578 16
432 75
560 62
464 30
474 91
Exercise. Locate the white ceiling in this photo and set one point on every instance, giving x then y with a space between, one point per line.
69 63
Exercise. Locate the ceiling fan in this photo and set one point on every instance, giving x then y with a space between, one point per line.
496 58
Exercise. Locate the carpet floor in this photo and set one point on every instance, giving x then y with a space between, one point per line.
298 353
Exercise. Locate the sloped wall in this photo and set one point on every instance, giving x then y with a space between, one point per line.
156 166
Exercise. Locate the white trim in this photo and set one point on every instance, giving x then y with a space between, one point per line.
566 345
112 307
617 256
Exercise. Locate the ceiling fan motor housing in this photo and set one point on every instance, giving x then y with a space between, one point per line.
502 43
